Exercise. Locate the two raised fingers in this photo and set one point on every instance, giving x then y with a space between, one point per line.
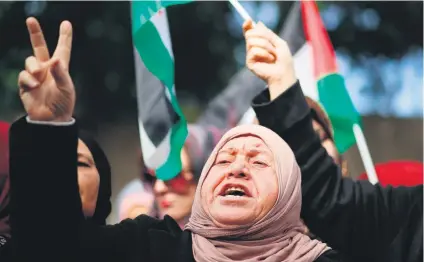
39 45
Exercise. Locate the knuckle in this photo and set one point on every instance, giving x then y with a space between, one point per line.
29 59
21 79
22 74
282 41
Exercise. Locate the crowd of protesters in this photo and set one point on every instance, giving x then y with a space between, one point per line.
274 190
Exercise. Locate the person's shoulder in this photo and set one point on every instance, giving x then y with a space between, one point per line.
332 256
405 195
141 220
145 222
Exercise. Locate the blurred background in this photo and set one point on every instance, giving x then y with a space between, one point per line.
379 48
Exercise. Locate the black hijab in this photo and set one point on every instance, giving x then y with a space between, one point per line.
103 204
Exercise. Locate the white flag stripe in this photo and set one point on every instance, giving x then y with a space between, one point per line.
303 66
160 20
155 156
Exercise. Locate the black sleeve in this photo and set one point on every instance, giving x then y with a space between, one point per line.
354 217
46 215
45 203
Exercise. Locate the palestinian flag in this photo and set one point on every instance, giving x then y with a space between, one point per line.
330 85
162 126
232 105
292 33
319 80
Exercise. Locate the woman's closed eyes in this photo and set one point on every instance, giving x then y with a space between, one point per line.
223 162
260 163
227 160
83 164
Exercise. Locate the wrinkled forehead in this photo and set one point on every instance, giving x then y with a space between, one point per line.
245 142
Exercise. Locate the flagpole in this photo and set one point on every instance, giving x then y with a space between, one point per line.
365 154
240 9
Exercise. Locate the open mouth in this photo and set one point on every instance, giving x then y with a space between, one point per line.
233 190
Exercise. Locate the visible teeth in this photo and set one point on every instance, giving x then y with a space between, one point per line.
234 189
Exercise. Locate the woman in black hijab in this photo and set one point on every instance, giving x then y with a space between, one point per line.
94 175
94 182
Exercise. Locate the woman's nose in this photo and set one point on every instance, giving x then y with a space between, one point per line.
239 170
160 187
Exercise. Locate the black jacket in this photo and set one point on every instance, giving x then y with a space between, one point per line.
47 220
365 222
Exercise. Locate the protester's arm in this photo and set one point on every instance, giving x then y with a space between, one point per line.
46 207
47 218
356 218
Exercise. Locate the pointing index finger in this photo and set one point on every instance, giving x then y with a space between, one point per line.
39 45
64 44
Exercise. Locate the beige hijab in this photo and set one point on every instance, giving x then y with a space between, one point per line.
279 236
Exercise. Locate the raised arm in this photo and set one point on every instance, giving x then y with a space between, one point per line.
47 204
46 207
354 217
46 216
357 218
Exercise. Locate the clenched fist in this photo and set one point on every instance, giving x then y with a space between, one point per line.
269 57
45 86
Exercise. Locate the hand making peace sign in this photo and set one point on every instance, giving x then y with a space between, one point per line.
45 86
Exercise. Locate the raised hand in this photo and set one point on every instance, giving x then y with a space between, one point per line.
45 86
269 57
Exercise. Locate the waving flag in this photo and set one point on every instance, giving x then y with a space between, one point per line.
162 126
330 85
231 103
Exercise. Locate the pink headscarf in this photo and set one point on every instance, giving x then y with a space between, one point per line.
135 194
279 236
141 199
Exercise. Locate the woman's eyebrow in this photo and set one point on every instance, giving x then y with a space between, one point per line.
230 150
257 151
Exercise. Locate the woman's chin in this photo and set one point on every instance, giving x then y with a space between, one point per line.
227 212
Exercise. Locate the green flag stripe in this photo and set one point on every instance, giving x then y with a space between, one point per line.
341 111
159 62
142 11
173 163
